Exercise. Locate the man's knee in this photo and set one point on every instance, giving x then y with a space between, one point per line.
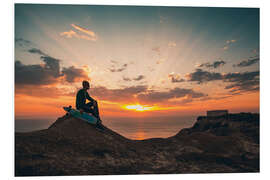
90 104
95 103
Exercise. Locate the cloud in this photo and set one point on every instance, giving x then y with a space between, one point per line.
140 77
230 41
175 78
73 74
69 34
126 94
215 64
243 82
141 94
113 69
238 82
37 74
37 51
22 42
83 33
165 96
46 73
53 64
84 30
201 76
228 44
246 63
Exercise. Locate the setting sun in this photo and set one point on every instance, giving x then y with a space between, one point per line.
138 107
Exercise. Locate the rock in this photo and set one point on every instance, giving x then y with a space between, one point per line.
73 147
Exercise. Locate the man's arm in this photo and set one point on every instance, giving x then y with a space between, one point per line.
89 97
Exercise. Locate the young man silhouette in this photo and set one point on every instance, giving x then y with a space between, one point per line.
82 106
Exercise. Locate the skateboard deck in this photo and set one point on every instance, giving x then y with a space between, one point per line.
83 116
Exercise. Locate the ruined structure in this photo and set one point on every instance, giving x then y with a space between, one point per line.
216 113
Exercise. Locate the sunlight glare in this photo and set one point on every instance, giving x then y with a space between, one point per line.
138 107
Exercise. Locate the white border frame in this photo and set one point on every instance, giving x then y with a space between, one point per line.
7 83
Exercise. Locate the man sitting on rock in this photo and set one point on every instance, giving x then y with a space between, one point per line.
82 106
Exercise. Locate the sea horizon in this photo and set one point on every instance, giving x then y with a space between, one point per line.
135 128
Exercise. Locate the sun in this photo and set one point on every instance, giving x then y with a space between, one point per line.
138 107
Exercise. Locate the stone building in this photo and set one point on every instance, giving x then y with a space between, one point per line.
217 113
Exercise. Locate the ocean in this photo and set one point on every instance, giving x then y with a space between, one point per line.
133 128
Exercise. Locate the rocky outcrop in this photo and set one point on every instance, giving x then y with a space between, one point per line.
72 147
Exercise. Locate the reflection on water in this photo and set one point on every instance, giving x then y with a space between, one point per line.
139 135
133 128
150 127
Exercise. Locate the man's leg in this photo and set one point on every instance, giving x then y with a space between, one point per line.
88 108
95 108
92 107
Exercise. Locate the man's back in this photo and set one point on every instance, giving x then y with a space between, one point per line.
80 98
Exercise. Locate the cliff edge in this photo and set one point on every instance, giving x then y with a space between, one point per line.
224 144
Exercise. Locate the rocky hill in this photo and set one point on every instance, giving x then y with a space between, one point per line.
224 144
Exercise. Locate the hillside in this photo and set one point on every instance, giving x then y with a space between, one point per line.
73 147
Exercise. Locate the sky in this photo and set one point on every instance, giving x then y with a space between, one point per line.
141 61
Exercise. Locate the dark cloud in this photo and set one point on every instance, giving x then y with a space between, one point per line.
156 96
215 64
241 77
242 82
140 77
22 42
201 76
52 64
47 73
37 74
175 78
73 74
248 62
142 94
37 51
126 94
113 69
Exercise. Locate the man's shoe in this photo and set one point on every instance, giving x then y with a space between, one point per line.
99 121
99 126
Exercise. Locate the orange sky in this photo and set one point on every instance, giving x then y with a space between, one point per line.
36 107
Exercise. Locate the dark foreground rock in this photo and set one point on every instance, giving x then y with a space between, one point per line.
72 147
